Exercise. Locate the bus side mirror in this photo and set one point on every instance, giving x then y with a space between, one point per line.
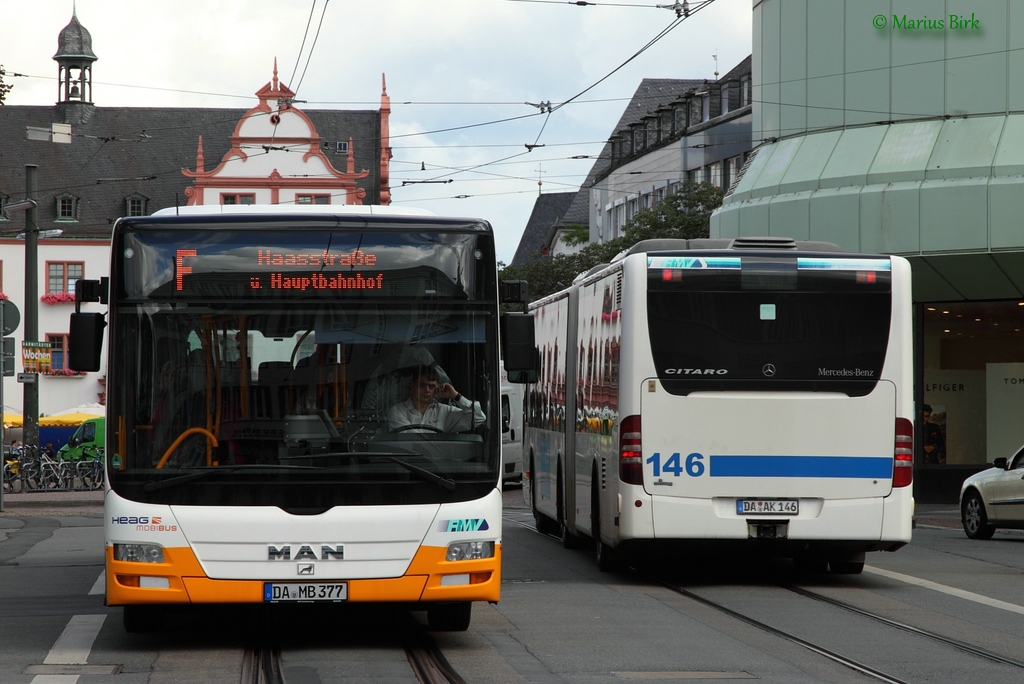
85 341
518 346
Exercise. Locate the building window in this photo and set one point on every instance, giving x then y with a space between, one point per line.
58 351
67 208
971 358
4 199
695 108
715 174
342 147
732 169
312 199
61 276
705 107
679 121
744 91
725 98
240 198
135 206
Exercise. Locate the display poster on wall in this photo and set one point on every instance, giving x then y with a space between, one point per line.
957 399
1005 397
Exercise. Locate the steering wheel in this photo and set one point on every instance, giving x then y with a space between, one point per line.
418 426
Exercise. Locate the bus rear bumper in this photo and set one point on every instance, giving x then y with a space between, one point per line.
881 521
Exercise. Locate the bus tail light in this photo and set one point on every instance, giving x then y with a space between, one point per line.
903 455
631 462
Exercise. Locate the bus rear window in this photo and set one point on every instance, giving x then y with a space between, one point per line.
822 331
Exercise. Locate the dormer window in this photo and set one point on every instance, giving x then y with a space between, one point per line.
135 205
4 199
67 208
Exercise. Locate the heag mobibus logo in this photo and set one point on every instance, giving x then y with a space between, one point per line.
696 371
144 523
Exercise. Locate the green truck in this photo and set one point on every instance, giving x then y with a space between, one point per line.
88 439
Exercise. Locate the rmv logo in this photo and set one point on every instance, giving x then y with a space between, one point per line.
463 525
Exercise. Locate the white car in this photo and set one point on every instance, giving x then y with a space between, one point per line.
994 498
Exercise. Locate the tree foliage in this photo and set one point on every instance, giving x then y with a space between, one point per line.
684 214
4 88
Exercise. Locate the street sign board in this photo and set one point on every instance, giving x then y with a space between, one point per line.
27 378
12 316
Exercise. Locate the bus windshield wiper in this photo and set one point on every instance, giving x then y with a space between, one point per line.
200 473
443 482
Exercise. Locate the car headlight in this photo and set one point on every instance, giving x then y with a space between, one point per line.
470 550
139 553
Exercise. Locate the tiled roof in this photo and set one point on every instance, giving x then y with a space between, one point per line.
652 93
117 152
547 210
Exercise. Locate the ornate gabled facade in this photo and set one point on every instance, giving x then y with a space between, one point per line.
277 157
128 161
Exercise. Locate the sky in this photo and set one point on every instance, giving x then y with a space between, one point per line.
459 73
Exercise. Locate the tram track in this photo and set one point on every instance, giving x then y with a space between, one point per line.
264 665
935 636
851 663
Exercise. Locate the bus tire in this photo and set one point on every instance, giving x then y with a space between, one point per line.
847 565
607 559
566 537
450 617
807 564
143 619
545 525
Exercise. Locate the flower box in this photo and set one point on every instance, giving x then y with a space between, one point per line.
58 298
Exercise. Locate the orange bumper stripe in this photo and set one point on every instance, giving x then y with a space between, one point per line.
189 584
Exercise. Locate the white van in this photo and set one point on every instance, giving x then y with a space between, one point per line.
511 430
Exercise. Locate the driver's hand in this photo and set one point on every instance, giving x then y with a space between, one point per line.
446 391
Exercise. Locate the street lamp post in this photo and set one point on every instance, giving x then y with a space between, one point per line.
31 396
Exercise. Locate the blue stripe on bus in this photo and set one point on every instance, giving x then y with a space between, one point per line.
801 466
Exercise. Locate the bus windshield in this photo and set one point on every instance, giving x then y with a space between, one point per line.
278 368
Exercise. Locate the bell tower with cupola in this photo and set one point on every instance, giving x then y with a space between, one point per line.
74 59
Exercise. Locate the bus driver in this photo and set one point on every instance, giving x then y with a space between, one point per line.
421 409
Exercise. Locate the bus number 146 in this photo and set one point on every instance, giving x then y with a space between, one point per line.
675 466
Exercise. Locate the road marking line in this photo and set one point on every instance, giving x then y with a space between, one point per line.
952 591
101 585
73 646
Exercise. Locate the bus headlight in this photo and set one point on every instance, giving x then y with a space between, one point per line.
139 553
470 551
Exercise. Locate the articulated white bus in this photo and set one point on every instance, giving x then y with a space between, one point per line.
752 391
261 362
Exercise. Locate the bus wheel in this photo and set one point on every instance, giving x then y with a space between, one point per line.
450 617
847 565
143 619
568 541
810 565
607 559
545 525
